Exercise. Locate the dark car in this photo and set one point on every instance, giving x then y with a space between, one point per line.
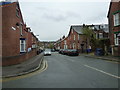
61 51
65 51
52 50
73 52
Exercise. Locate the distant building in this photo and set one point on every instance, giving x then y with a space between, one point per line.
114 26
74 40
47 44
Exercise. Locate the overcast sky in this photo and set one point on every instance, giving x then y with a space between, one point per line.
52 19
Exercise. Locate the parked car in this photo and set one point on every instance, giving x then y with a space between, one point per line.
73 52
61 51
65 51
52 50
47 52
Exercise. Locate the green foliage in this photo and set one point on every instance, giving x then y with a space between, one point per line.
91 38
51 46
89 33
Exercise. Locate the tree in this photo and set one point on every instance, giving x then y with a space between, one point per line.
90 37
51 46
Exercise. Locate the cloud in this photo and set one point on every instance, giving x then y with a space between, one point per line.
52 20
56 18
57 15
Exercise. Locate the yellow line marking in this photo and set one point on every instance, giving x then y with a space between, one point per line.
45 66
102 71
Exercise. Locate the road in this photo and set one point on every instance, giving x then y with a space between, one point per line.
69 72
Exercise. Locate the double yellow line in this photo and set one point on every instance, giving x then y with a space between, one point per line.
44 67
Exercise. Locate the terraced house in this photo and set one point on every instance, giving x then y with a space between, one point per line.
18 42
114 26
76 39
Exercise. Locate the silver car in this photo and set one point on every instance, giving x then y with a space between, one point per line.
47 52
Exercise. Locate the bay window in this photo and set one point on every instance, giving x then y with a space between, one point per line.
116 18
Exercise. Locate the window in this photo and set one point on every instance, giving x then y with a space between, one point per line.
116 39
116 19
17 11
72 30
74 37
96 36
65 42
74 45
100 35
22 45
65 46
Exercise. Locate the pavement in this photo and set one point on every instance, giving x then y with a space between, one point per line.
106 57
25 67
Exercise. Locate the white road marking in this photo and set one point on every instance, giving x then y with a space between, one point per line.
102 71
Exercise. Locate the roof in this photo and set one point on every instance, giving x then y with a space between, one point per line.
77 28
109 9
111 6
103 27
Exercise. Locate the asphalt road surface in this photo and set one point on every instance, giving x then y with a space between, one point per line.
69 72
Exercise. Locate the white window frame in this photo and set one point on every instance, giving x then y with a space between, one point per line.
74 37
24 46
72 30
74 45
116 39
116 18
65 42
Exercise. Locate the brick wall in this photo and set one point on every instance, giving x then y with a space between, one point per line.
18 59
70 41
10 38
11 34
114 6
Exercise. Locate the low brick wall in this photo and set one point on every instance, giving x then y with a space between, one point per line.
117 51
18 59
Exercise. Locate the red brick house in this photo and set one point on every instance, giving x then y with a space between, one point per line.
101 31
16 37
57 44
74 40
114 26
77 40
